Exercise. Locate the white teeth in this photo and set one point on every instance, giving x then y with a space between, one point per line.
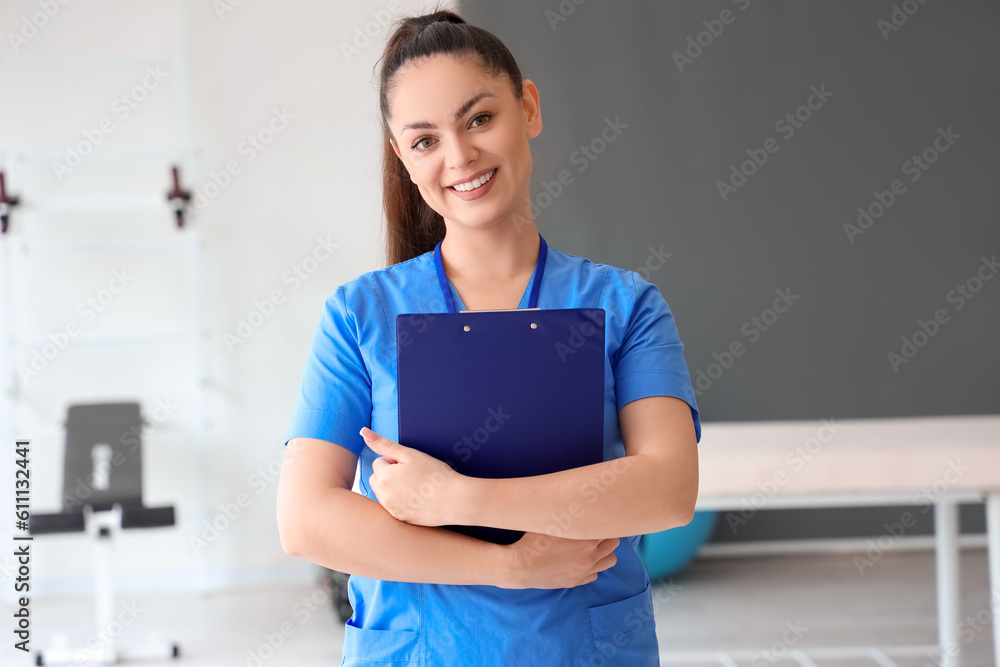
475 183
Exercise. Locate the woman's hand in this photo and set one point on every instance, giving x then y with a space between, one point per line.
538 560
413 486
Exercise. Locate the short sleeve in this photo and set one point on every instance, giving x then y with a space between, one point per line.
335 398
651 356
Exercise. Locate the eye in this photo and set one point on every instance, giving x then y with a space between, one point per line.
418 142
485 115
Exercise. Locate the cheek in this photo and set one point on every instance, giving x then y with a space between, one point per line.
427 175
515 146
519 163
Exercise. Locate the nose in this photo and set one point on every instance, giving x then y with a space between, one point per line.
460 151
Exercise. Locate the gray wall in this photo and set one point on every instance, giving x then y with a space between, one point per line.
892 92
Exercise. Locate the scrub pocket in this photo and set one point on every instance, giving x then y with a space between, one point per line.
624 632
362 646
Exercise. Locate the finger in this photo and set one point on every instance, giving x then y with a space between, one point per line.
382 461
608 561
609 545
381 444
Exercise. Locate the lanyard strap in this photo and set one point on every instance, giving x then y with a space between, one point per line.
532 299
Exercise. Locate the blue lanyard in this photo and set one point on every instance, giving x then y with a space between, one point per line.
532 299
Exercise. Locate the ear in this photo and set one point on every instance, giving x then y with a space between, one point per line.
532 109
395 148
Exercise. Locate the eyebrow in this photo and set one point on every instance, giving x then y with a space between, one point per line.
462 110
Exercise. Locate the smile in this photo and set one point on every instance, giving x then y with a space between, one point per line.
475 183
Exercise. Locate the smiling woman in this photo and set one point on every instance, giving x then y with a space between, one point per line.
457 119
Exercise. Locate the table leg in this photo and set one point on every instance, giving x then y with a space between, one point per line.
993 542
947 555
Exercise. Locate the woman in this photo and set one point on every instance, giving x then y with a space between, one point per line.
457 118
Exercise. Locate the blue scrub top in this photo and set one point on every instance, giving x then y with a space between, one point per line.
350 382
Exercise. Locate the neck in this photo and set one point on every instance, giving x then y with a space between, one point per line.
485 255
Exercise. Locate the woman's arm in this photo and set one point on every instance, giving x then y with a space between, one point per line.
653 488
322 520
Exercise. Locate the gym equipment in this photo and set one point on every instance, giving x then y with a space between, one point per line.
177 198
7 202
339 594
102 494
669 551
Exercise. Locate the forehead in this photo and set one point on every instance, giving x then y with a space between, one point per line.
434 88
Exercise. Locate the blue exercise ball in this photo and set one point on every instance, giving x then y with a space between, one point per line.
669 551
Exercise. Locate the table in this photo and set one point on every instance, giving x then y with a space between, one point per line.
919 462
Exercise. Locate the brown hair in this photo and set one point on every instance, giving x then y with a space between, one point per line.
413 227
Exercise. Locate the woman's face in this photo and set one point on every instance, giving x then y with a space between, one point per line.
442 140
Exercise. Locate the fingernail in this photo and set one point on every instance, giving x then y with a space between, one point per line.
367 434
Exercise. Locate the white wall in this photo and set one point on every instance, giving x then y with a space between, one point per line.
318 178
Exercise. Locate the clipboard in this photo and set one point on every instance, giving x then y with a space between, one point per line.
503 393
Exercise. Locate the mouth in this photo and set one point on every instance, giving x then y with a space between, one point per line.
475 183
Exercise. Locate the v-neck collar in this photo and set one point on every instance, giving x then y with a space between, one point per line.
531 290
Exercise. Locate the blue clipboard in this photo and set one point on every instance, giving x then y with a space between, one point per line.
503 393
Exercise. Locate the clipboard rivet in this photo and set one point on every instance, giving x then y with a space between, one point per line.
534 325
467 327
